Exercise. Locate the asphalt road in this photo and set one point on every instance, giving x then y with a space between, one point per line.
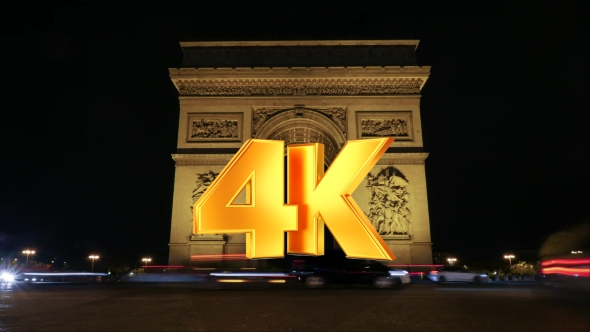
181 307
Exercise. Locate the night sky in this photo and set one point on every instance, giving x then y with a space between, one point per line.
90 116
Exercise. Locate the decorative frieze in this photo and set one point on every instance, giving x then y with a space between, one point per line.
299 87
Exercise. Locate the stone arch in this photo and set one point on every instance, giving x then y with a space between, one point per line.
296 126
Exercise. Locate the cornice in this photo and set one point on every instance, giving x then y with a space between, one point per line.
418 158
298 81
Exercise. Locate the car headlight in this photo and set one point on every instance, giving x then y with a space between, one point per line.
397 273
7 277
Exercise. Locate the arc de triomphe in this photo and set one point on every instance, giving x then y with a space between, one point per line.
303 91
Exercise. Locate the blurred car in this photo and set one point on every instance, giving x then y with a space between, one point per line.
71 277
457 274
6 277
318 272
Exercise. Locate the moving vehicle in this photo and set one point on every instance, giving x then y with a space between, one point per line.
565 260
567 273
6 277
457 274
319 272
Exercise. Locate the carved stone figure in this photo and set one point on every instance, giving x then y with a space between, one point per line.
213 128
338 116
384 127
389 210
203 182
260 116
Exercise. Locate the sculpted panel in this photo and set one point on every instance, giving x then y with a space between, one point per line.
224 127
396 124
203 182
214 129
389 203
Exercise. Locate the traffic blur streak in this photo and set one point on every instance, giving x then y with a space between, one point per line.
203 274
197 258
570 271
568 274
59 277
180 273
577 267
251 277
166 273
566 261
10 278
417 271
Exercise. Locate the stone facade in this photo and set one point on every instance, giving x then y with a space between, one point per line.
221 106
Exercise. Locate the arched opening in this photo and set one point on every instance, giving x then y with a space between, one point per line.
304 126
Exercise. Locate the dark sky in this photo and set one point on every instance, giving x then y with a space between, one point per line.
89 118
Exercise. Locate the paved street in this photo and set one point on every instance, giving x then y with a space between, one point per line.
178 307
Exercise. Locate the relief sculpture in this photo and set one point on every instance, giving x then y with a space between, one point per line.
213 128
338 116
389 209
260 116
321 90
203 182
385 127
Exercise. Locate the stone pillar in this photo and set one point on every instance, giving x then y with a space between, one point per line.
179 254
204 245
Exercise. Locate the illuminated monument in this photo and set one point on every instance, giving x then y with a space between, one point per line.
300 92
